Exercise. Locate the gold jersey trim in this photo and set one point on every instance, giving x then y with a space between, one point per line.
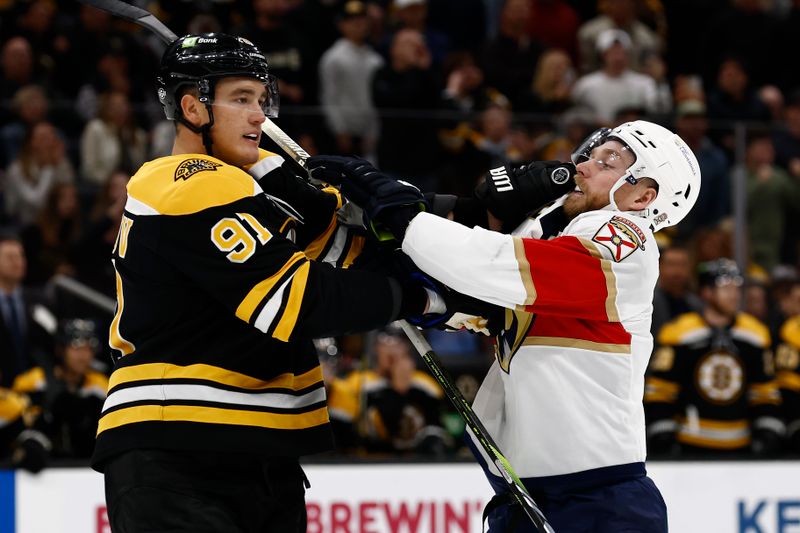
211 415
163 371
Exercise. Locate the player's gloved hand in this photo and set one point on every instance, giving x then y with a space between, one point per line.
31 451
511 192
765 442
389 204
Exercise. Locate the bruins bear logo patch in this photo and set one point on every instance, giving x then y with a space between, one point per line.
190 167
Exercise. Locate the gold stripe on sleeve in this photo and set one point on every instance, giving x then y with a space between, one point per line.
260 290
524 272
289 318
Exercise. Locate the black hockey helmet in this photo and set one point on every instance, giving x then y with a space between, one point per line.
719 272
201 60
77 331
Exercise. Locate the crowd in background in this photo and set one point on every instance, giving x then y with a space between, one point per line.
434 91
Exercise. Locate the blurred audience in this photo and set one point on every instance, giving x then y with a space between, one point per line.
41 165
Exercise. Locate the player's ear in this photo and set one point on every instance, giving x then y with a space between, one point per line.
193 110
644 195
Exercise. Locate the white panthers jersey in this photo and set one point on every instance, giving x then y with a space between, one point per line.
565 393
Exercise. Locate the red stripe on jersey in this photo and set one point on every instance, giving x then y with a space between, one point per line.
599 332
569 281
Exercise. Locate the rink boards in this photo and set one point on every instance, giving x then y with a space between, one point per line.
739 497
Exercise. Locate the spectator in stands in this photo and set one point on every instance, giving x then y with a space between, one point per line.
555 23
771 192
674 294
394 407
465 96
510 58
621 15
413 14
714 202
732 99
654 66
41 165
17 67
345 76
787 365
100 234
112 141
786 138
615 86
286 50
30 106
493 137
747 30
50 242
711 387
70 394
551 87
403 90
27 325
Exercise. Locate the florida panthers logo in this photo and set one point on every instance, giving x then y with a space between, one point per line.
190 167
621 236
515 330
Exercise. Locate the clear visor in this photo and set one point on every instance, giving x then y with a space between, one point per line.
268 104
608 159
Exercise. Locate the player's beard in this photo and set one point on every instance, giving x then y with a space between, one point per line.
575 204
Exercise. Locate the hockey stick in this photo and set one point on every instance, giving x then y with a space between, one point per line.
148 20
474 423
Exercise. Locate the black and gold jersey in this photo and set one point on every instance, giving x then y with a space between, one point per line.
216 306
366 408
711 386
787 365
13 409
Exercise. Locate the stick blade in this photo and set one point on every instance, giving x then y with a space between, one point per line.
134 14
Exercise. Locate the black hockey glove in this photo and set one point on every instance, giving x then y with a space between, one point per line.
388 204
510 193
404 269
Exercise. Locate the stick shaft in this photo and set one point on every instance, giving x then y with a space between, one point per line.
476 426
134 14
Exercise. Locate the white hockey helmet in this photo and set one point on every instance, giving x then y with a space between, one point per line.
660 155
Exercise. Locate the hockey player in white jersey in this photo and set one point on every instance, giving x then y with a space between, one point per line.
563 400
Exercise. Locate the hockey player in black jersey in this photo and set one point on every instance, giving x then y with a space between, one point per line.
711 387
222 282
